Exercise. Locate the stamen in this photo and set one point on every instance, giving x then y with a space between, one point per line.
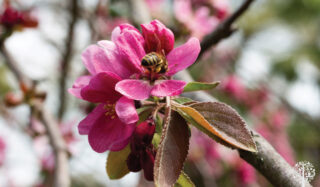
111 111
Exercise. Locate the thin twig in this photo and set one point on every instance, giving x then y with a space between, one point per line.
13 66
267 161
61 173
67 57
224 29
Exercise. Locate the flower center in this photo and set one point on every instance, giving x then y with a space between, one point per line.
154 63
111 111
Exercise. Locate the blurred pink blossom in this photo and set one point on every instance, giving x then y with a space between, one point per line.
2 151
280 118
10 17
41 142
246 173
200 16
233 86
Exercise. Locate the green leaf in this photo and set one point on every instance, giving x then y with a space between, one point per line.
183 100
196 86
220 122
116 163
158 122
156 140
144 114
184 181
172 151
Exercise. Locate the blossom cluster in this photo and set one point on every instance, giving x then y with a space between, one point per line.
201 16
118 78
11 18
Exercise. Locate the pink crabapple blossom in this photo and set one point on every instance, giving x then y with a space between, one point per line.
114 68
159 39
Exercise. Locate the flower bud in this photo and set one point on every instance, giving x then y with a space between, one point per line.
12 100
133 162
147 162
143 133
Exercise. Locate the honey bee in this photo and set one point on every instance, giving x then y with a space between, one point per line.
155 63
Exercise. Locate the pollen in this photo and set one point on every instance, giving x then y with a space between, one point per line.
111 111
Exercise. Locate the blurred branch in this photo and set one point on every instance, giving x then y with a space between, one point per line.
61 173
13 66
67 57
267 160
224 29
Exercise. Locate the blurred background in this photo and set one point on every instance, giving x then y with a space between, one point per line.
269 71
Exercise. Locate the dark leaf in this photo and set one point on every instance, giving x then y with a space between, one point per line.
220 122
172 151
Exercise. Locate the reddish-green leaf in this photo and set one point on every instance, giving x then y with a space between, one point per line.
220 122
172 151
116 163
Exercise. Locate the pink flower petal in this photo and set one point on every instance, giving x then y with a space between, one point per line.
126 110
78 85
105 58
95 59
109 134
101 88
118 30
164 88
134 89
86 124
183 56
157 37
130 47
113 62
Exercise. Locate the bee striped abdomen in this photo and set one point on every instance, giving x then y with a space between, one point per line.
150 60
155 62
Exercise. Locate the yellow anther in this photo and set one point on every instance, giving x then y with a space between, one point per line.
110 110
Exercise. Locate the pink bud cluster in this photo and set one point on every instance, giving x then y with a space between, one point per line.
142 154
10 18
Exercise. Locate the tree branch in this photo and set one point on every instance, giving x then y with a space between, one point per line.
67 57
224 29
61 172
267 161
